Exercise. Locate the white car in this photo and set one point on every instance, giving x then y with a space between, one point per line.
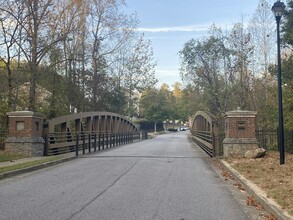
183 128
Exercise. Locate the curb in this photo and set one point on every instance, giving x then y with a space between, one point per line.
34 168
269 204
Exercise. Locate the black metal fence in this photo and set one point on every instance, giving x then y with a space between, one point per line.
144 134
59 143
269 140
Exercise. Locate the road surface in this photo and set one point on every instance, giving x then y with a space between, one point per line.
167 177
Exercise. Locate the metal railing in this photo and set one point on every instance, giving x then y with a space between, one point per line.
268 139
212 144
60 143
205 140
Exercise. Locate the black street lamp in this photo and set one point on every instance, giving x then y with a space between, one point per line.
278 9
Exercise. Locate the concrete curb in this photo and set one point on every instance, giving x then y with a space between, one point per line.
269 204
34 168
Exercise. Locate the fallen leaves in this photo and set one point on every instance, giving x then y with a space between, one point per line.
270 217
270 176
251 202
227 175
239 186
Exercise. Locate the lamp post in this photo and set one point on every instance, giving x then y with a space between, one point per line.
278 9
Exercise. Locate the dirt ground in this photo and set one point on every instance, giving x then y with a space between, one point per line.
275 179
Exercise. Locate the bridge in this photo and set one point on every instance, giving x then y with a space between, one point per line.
97 130
103 130
205 132
91 131
94 131
30 136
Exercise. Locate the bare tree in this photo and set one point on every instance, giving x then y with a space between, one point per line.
74 50
9 34
110 29
40 25
262 29
241 45
140 70
85 44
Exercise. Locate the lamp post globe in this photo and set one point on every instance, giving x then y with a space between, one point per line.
278 9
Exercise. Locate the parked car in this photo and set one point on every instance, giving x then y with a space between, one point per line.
183 128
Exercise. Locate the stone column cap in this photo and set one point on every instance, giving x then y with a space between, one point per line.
24 114
240 113
240 141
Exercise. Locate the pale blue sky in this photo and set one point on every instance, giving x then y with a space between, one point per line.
171 23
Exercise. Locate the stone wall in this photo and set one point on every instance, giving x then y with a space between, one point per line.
237 147
28 149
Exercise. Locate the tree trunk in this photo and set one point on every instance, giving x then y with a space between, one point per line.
34 47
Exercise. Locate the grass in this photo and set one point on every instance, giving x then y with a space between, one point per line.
9 156
27 164
275 179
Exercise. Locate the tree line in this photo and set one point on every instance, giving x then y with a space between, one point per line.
64 56
237 68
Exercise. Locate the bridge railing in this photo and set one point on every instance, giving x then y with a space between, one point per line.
63 142
204 139
205 133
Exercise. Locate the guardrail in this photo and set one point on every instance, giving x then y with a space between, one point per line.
205 132
62 142
211 143
204 139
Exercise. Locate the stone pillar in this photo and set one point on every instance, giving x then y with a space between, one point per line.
25 129
240 135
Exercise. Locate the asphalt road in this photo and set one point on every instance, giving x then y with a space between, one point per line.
163 178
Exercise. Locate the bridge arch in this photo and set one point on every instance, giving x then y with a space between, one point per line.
204 131
92 122
108 129
203 121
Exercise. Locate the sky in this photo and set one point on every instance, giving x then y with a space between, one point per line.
171 23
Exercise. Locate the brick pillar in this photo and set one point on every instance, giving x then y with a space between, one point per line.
240 135
25 129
